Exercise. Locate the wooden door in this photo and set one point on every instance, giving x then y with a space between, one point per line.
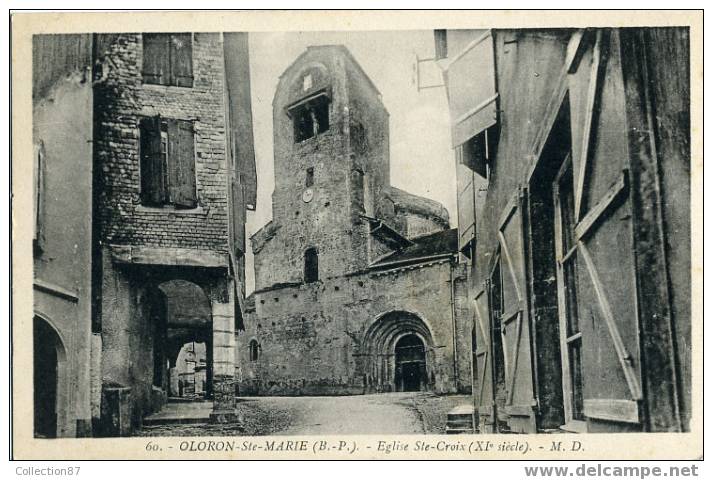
514 320
483 379
596 255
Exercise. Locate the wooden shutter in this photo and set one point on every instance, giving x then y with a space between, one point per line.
483 380
466 205
156 67
470 86
39 193
238 215
606 290
181 54
153 188
515 319
181 164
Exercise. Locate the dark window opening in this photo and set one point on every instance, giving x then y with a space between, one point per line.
441 41
311 265
168 59
167 155
311 118
479 151
498 365
309 179
254 350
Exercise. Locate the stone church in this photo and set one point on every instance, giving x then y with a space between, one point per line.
358 284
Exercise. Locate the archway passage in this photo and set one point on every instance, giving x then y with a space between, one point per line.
410 355
46 357
180 313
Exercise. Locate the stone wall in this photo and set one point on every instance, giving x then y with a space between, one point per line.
329 221
311 335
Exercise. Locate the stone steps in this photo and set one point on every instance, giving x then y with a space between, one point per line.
460 420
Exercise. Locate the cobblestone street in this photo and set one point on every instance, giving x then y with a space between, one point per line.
391 413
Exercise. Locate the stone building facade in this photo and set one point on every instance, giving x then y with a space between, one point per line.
358 285
165 171
65 395
573 151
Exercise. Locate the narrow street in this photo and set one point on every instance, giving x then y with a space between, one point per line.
389 413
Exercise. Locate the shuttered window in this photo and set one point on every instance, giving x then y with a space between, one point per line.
566 249
168 59
470 84
168 174
39 194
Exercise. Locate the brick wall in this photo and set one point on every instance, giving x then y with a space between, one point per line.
121 98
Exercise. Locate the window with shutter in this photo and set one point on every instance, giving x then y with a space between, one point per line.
39 194
156 67
167 167
153 150
181 164
601 240
570 332
181 55
168 59
470 84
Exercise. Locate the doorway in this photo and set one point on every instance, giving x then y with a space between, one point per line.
410 354
47 349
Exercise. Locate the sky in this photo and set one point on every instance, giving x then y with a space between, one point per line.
422 160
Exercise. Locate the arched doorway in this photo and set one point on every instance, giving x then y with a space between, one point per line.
410 358
398 354
48 361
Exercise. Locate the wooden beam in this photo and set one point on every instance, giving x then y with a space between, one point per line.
188 257
612 410
603 206
589 118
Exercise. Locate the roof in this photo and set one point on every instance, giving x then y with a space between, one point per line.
414 204
425 247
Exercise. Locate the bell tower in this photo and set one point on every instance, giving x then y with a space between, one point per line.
331 163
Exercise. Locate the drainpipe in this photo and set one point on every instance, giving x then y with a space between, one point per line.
453 321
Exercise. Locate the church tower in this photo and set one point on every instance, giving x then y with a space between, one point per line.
331 154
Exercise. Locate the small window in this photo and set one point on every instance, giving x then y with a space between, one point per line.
167 156
168 59
311 118
254 350
307 82
311 265
441 40
309 178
